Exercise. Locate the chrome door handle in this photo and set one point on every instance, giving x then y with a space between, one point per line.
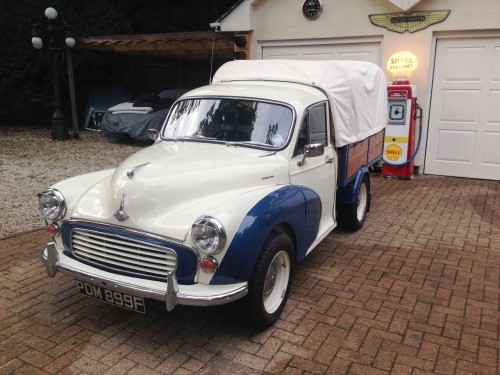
328 160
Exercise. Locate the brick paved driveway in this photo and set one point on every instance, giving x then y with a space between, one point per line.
415 291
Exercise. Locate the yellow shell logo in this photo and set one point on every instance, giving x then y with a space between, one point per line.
393 152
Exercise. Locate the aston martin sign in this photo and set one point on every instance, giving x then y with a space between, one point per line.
411 22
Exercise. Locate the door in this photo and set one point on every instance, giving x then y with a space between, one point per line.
464 121
318 172
363 51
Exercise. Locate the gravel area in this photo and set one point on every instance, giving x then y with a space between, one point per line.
30 161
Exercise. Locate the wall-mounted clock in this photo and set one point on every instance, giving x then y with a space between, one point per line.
312 9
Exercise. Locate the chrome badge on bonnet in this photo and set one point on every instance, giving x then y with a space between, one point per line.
120 214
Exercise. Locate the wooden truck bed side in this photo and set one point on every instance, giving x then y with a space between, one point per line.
356 155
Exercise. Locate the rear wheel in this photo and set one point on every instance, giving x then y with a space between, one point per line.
352 216
269 285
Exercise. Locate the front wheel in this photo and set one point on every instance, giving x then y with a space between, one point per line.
352 216
269 285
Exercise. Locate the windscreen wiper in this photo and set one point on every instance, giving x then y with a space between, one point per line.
195 136
253 143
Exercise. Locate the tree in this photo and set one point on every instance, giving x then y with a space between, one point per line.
26 90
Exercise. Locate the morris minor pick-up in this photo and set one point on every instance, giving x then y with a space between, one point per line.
244 179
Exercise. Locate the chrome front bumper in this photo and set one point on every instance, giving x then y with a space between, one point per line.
169 292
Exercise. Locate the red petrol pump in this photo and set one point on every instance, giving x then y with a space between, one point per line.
399 141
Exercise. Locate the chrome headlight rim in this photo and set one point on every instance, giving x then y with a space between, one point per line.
213 223
57 211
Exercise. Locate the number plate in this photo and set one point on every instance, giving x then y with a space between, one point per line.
127 301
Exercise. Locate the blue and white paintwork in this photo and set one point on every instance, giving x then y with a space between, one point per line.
156 195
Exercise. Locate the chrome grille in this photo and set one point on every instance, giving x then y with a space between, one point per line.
123 253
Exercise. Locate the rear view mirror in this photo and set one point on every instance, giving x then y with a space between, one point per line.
311 151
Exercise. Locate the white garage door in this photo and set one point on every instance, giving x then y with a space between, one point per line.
363 51
464 122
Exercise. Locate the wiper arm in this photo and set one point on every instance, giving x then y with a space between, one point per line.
254 143
194 136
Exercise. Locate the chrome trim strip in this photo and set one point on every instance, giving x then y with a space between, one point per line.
126 230
131 172
137 232
52 259
171 293
94 261
238 291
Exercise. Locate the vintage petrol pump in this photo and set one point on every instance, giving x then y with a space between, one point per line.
399 141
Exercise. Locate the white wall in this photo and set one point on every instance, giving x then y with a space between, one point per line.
275 20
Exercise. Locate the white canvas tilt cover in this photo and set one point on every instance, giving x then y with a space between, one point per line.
356 90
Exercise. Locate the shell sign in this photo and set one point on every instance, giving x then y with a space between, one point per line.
402 64
393 152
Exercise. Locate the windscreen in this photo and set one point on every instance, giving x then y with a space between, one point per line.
244 121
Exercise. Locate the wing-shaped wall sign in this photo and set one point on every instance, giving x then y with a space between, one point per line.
412 22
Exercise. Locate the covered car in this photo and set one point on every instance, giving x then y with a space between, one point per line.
131 120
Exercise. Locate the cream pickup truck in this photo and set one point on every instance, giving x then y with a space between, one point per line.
245 178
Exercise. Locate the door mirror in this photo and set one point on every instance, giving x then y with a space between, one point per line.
311 151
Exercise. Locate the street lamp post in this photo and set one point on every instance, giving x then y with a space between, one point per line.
56 35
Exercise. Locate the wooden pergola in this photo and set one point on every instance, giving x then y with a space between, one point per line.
181 46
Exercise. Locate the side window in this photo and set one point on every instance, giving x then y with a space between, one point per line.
312 129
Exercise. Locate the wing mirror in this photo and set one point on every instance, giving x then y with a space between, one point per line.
311 151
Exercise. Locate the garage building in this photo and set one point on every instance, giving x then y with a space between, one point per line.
456 42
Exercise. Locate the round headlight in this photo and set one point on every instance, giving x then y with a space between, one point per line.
52 204
208 235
